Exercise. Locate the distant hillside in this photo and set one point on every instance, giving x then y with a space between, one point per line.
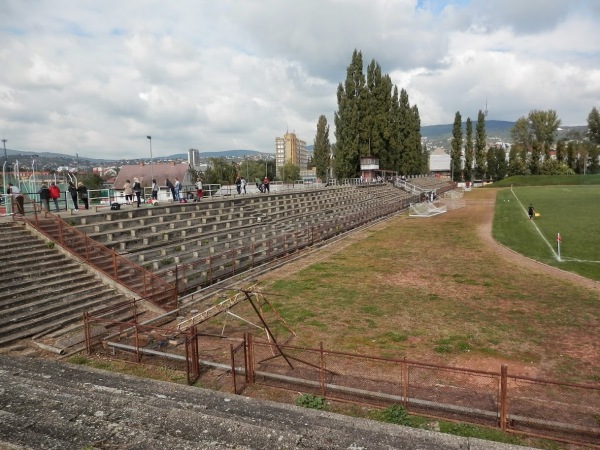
496 131
225 154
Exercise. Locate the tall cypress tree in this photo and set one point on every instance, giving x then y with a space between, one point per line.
322 148
480 138
349 119
456 147
469 151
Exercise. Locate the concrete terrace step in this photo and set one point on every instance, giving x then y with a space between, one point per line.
24 291
38 268
48 404
56 319
82 295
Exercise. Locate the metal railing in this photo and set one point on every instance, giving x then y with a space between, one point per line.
119 269
561 411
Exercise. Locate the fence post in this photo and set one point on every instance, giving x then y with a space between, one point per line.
503 395
114 261
60 232
322 369
404 374
86 332
249 359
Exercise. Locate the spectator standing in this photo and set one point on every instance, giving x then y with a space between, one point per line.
44 193
266 187
155 189
238 184
17 198
244 183
128 191
73 192
170 187
83 194
54 195
177 189
137 190
199 188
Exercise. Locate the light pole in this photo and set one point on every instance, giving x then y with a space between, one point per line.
5 157
77 155
151 159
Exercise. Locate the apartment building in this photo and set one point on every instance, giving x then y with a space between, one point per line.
290 149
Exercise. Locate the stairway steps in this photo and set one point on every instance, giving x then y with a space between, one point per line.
49 305
14 294
59 318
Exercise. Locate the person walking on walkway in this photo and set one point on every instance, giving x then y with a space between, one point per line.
73 192
137 190
238 185
17 198
83 194
54 195
244 183
266 187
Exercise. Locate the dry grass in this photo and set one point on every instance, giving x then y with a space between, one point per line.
435 290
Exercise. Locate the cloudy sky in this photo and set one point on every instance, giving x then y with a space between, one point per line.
97 77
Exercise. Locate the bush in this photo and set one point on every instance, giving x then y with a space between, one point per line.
395 414
311 401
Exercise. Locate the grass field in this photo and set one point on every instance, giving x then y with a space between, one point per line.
572 211
431 290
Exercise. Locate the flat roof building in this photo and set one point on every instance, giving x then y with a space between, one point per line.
290 150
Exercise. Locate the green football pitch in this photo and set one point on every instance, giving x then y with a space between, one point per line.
572 211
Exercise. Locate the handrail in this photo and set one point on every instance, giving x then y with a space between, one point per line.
123 271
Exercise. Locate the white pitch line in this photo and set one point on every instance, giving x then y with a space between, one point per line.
536 227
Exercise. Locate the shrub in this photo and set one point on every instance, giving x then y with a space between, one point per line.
395 414
311 401
50 244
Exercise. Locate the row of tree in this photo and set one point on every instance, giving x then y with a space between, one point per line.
373 119
534 138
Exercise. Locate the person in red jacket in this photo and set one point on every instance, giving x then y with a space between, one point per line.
54 194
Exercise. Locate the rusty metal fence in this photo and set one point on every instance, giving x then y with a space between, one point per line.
562 411
120 269
180 348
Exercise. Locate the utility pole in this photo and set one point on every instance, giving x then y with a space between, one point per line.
5 157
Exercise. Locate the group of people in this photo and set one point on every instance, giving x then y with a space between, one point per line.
262 186
240 184
51 193
134 190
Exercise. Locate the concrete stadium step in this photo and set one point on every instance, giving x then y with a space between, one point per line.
55 320
51 299
21 290
48 404
43 268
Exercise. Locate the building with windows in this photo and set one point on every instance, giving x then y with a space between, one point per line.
290 150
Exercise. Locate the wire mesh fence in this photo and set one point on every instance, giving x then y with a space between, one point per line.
562 411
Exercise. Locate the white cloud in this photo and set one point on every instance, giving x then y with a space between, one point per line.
97 77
